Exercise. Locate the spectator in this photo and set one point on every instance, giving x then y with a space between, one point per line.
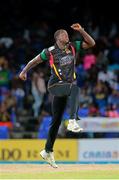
38 91
100 93
112 111
113 99
89 60
5 119
84 98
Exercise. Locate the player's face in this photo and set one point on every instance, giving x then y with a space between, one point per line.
64 38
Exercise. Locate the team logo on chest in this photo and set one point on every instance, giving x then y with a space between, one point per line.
68 59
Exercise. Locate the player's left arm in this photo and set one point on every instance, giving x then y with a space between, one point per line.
88 40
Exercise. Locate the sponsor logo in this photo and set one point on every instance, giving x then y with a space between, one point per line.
66 60
101 154
28 150
7 154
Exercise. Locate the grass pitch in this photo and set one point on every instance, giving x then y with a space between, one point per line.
38 171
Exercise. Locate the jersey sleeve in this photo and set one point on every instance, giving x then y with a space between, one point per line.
44 55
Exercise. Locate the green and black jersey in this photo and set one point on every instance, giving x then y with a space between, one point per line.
62 62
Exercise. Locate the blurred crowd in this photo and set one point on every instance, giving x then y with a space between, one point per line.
24 104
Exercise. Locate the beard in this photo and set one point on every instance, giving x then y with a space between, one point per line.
67 44
63 44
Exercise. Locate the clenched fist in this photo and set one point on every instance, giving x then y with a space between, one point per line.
76 26
23 76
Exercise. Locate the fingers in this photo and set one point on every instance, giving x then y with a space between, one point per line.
22 77
71 26
76 25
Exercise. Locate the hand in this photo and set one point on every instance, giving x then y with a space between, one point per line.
23 76
76 26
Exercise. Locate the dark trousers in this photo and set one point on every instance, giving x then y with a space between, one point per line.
58 107
74 102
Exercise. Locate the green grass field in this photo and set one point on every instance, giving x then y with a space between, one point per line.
63 172
65 175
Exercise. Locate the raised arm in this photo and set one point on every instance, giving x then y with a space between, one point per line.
88 40
30 65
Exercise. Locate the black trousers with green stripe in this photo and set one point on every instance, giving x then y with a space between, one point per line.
58 107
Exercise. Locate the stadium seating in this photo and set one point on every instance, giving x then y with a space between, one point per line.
4 132
44 127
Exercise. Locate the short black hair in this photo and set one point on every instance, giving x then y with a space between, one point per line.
58 32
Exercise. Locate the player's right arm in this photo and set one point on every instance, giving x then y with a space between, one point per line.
34 62
88 40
